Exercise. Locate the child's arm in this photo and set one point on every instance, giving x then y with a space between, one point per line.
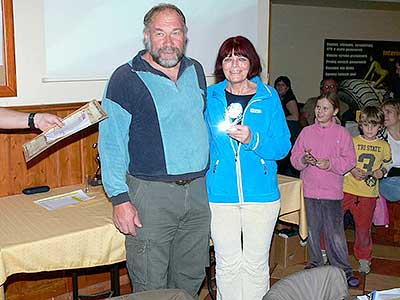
379 173
387 159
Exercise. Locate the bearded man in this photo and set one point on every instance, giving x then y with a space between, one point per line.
154 154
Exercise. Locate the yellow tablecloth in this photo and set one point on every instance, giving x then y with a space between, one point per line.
33 239
292 203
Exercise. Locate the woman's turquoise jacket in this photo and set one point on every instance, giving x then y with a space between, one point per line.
242 173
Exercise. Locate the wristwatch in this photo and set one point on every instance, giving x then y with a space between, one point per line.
31 121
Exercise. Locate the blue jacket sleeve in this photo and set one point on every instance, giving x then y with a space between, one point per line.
113 150
271 140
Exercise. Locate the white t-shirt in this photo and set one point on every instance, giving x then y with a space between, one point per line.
395 150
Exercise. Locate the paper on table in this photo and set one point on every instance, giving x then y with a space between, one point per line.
82 118
58 201
392 294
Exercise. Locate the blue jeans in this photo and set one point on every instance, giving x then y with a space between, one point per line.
389 188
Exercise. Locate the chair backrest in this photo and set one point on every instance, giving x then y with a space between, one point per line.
323 283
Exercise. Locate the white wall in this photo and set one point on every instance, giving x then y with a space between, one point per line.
30 63
31 68
298 33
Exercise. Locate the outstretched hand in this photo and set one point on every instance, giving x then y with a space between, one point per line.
44 121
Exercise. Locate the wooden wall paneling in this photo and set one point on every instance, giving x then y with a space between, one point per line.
4 162
69 171
89 165
21 176
65 163
69 164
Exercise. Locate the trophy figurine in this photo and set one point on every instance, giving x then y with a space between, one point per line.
96 180
233 116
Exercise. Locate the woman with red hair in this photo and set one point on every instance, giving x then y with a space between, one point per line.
248 134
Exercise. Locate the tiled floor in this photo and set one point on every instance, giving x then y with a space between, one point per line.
385 271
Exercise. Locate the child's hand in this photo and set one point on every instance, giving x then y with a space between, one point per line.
379 173
323 164
358 173
308 158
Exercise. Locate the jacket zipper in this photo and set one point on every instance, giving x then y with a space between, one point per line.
215 166
237 160
264 166
239 176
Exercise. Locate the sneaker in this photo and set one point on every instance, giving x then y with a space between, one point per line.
353 282
364 266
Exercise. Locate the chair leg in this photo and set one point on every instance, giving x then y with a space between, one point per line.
114 291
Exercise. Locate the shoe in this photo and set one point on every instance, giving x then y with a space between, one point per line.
364 266
353 282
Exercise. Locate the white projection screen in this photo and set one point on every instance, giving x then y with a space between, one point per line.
87 40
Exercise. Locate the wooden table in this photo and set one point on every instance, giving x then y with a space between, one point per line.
33 239
293 209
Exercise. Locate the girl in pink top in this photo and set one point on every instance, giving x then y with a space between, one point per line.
323 153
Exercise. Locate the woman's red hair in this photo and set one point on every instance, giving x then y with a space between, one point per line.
241 46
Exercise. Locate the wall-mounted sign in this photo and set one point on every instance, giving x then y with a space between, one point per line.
366 68
369 60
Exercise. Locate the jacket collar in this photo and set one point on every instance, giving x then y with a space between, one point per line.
331 124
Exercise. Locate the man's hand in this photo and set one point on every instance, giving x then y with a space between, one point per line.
44 121
126 217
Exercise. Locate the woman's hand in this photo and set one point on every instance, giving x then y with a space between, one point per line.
241 133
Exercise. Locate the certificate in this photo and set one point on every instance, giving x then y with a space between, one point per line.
89 114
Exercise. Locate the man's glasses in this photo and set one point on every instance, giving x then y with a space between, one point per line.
330 86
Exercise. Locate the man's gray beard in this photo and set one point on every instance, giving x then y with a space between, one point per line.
166 63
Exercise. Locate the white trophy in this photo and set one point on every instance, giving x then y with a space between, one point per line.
233 116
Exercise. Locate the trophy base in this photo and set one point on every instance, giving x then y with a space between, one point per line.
95 181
